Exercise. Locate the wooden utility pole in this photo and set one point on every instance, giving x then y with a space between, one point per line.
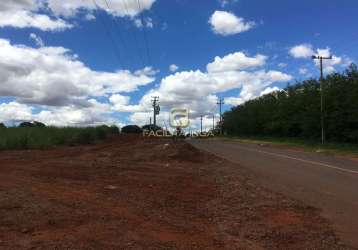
213 123
220 103
321 58
201 124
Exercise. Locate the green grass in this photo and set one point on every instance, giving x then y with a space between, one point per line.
314 146
41 138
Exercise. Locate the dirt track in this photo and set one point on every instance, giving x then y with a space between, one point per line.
132 193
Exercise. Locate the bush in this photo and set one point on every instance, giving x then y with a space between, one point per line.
39 124
131 129
151 127
44 137
26 125
2 125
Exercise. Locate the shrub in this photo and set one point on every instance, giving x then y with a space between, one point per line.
26 125
151 127
131 129
44 137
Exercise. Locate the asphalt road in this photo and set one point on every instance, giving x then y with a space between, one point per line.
326 182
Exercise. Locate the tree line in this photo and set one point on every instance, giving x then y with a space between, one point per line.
296 111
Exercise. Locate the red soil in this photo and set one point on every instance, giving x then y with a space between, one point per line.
136 193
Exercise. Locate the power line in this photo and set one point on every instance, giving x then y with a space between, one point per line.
121 38
108 33
144 34
133 35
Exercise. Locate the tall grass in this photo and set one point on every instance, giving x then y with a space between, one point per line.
45 137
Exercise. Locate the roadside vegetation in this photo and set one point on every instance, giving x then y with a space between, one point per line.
38 136
293 115
307 145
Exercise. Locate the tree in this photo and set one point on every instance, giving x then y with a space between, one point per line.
295 111
131 129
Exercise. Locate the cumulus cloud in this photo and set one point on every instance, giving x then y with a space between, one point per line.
302 51
120 103
14 111
235 61
224 3
36 13
269 90
173 68
38 40
95 114
145 23
226 23
26 19
53 76
306 51
121 8
197 90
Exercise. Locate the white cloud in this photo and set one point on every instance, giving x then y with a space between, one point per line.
307 51
197 90
269 90
235 61
53 76
224 3
121 8
36 13
15 112
26 19
173 68
302 51
282 65
38 40
146 22
303 71
95 114
226 23
120 103
90 17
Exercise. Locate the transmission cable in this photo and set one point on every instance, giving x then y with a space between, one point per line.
144 34
131 32
108 33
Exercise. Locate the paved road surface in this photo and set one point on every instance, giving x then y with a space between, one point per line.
326 182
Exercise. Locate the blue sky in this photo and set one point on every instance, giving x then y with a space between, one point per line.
86 62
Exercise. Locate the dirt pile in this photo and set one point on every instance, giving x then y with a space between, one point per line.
137 193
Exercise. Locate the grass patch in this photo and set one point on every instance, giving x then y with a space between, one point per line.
45 137
314 146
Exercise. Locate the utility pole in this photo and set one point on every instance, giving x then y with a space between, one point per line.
220 103
201 124
156 110
321 58
213 123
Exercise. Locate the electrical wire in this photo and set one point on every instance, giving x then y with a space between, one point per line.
144 34
112 40
130 31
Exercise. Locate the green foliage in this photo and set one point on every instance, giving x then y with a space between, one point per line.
131 129
295 111
44 137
